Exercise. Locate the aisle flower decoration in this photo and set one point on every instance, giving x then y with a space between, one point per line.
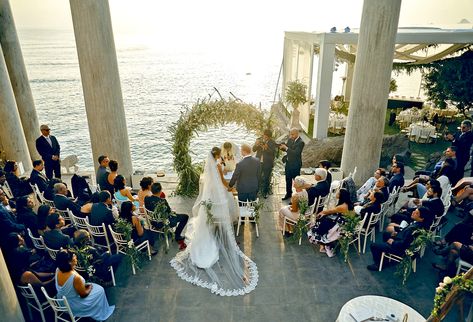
347 231
208 209
125 228
203 114
85 262
459 282
162 214
422 238
300 228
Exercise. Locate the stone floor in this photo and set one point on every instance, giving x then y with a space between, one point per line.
296 283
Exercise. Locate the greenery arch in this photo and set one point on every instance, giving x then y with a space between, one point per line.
204 114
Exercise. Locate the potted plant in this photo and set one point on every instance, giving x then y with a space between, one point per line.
296 94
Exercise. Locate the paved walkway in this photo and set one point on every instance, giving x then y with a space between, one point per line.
297 283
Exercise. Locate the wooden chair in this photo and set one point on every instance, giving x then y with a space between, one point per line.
60 307
122 245
247 214
32 301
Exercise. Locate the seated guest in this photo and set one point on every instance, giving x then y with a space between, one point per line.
85 300
364 191
326 220
99 259
55 238
3 178
19 186
292 211
145 190
139 233
101 212
26 216
49 192
397 242
455 250
372 207
179 220
122 192
320 188
102 171
24 264
8 224
382 186
37 177
62 202
325 164
86 208
8 204
81 189
397 180
43 212
110 182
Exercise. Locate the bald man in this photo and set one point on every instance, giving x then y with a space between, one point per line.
293 157
246 175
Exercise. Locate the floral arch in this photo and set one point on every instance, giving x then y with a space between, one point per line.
204 114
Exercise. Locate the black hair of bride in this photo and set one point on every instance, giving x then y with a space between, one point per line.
216 151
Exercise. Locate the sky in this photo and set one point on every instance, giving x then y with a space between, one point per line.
222 22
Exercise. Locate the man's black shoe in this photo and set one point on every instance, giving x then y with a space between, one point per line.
373 267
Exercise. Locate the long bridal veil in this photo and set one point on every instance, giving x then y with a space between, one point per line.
212 258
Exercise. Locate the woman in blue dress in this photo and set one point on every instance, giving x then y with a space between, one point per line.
85 299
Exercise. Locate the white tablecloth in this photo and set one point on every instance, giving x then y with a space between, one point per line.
409 116
422 129
336 120
364 307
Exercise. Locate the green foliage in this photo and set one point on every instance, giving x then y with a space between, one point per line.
125 228
422 238
204 114
347 232
161 214
392 85
300 228
296 93
449 81
448 284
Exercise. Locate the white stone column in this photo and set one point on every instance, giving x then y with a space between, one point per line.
18 77
101 82
11 131
324 89
10 309
366 117
346 92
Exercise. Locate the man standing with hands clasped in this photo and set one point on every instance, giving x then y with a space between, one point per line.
265 149
49 149
293 159
246 175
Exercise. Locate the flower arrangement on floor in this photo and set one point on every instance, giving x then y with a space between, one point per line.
422 238
300 228
161 214
125 228
347 231
448 284
205 113
257 209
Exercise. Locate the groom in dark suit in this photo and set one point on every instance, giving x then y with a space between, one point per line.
246 175
293 149
49 149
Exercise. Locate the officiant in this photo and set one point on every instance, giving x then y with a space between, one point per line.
265 149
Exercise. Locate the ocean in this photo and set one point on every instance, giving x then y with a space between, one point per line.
157 83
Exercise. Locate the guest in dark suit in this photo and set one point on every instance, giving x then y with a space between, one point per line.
320 189
325 164
293 158
265 149
55 238
49 149
37 177
101 212
18 186
246 175
397 180
179 220
62 202
102 172
8 224
397 242
463 140
26 216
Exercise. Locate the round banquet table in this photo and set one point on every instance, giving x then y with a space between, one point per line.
365 307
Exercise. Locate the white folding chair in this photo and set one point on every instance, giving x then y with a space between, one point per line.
388 205
151 223
463 266
357 233
38 242
122 245
79 268
369 230
37 194
60 307
78 222
246 211
32 301
65 214
7 190
99 233
50 203
52 252
396 258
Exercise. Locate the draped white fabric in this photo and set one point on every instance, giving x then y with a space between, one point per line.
212 258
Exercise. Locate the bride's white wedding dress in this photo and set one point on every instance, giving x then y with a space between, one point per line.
212 258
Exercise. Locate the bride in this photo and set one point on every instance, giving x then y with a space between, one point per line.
212 258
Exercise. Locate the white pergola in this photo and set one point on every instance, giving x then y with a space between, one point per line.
300 48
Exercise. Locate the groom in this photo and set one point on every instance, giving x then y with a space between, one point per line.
246 175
